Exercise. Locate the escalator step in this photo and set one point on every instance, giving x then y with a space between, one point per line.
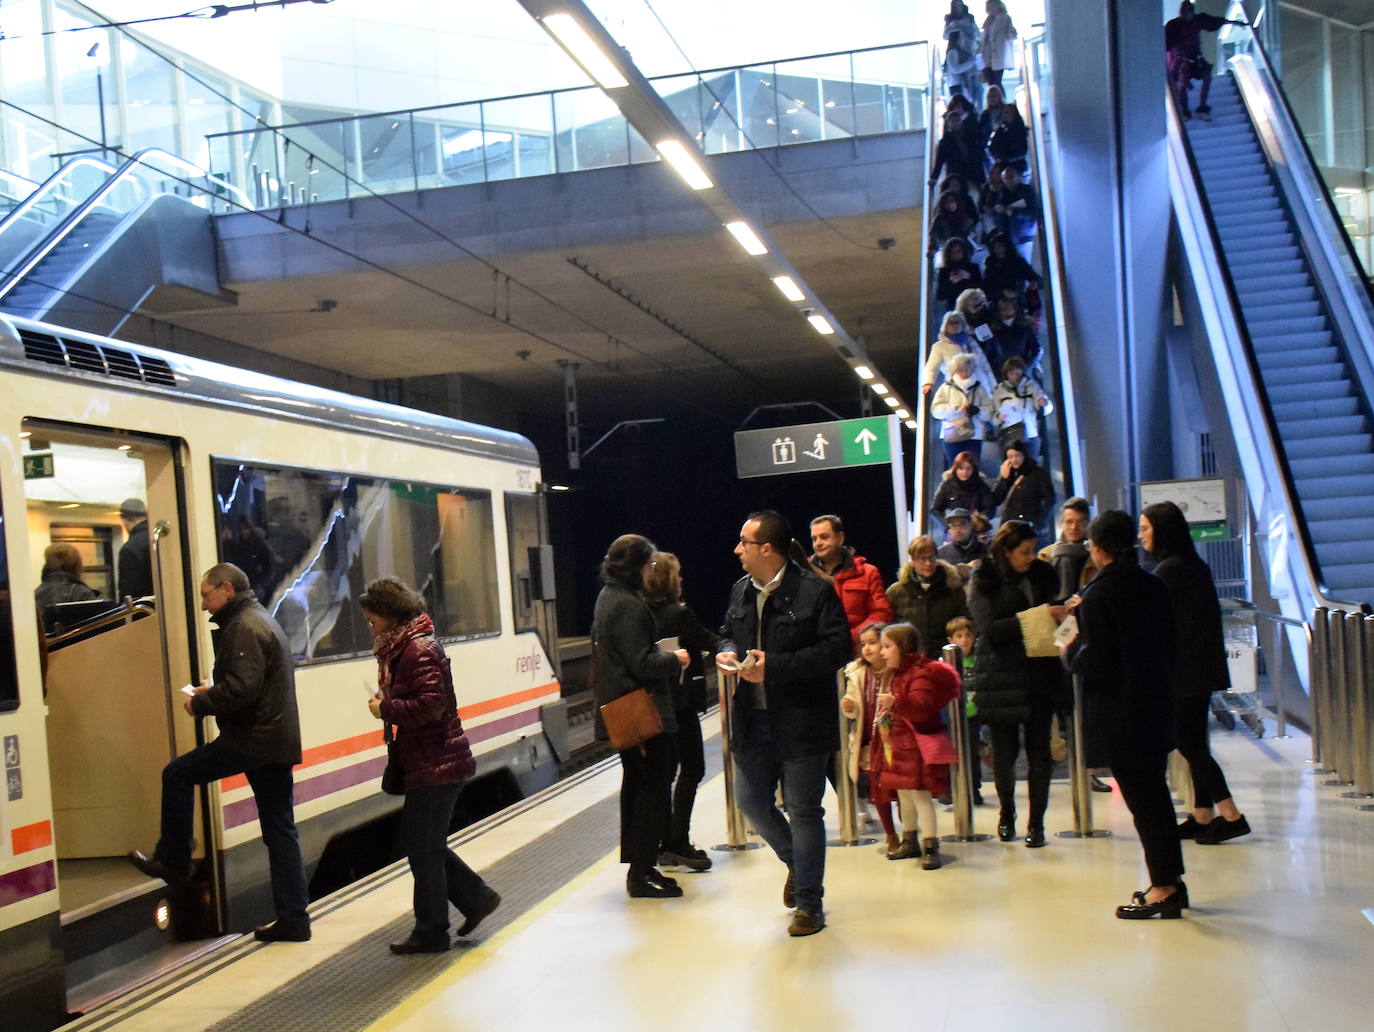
1258 234
1343 555
1323 427
1279 275
1323 531
1301 300
1336 487
1252 198
1266 211
1319 406
1261 314
1297 358
1303 382
1246 261
1343 577
1339 508
1276 327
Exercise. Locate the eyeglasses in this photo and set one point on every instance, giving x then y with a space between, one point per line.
746 541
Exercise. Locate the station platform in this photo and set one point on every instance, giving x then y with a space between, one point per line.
1280 937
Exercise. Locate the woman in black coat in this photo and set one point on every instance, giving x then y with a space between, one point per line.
673 618
928 594
1200 669
957 273
962 487
1125 654
1023 490
625 657
1016 693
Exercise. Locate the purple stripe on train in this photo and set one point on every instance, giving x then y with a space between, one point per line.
244 810
27 882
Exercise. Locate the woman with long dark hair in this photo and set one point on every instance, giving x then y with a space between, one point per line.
1199 669
626 657
674 618
415 696
1017 694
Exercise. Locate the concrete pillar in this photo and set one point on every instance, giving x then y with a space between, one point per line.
1114 211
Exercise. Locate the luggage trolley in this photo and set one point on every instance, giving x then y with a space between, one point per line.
1241 636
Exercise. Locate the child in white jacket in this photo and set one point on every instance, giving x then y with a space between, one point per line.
963 405
1017 403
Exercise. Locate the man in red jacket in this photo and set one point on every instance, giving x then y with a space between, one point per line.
857 582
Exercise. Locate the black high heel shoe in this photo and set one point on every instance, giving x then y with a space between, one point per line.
1006 825
1170 908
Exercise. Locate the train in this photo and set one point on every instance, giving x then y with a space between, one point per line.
313 493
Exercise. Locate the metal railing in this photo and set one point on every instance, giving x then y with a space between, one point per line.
1342 698
830 96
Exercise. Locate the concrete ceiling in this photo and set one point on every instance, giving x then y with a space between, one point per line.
753 348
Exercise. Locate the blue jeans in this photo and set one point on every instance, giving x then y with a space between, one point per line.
440 876
272 791
799 838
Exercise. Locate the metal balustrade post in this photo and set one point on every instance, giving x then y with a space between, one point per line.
736 835
1080 785
1357 664
1338 717
1276 679
1364 781
1318 659
961 774
846 791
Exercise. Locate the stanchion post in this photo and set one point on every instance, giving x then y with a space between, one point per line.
1338 716
1318 661
961 776
1079 784
846 791
1365 779
1357 667
736 837
1276 672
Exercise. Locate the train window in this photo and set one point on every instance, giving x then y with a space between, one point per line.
310 542
9 677
522 529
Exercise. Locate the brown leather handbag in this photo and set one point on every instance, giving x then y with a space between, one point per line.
631 720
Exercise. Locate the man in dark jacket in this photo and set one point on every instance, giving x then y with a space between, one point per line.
786 724
135 558
253 700
1125 652
856 580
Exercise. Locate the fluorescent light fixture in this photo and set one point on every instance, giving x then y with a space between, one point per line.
879 388
747 238
559 487
911 424
585 51
126 447
903 414
675 154
821 323
864 372
70 505
892 402
789 288
25 434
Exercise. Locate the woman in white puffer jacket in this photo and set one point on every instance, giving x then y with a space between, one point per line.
995 47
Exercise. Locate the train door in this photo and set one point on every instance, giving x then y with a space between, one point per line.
119 646
532 572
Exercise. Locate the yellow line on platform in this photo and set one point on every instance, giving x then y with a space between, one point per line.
485 951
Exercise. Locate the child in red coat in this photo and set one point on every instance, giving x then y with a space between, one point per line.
916 750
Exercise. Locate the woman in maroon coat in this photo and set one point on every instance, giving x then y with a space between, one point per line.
415 698
915 749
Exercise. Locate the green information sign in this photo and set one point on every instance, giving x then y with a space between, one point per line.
1207 531
38 465
813 446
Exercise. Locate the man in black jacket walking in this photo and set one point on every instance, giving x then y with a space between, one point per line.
253 700
790 625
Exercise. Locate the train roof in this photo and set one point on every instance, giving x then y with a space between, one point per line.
42 349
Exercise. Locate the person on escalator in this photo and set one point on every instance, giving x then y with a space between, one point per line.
1013 336
954 340
1023 491
1183 56
1006 274
1020 208
957 273
963 406
961 52
978 316
957 152
1016 406
1009 140
953 221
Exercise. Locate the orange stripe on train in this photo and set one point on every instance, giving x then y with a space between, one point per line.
31 837
373 739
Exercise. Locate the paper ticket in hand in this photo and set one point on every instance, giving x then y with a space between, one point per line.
188 689
1066 631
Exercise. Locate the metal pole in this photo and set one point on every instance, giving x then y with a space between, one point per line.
1080 786
1317 657
1357 663
1276 678
961 776
845 789
1365 779
736 837
161 530
1338 716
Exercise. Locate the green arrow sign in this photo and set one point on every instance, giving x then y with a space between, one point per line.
809 447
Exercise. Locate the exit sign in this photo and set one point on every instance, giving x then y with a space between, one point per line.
38 465
814 446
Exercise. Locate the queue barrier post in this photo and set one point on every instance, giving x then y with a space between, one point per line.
1276 679
1361 706
1338 691
1318 662
961 776
846 791
736 835
1080 785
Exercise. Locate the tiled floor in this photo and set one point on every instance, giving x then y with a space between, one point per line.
1003 938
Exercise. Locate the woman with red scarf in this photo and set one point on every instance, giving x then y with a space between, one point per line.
415 698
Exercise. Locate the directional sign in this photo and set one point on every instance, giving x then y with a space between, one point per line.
38 465
813 446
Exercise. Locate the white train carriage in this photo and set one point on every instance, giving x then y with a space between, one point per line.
313 493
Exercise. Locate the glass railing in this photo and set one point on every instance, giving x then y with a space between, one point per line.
804 100
47 206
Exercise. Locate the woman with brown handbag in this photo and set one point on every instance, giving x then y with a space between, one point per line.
627 662
415 696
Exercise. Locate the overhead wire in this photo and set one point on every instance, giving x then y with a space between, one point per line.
207 13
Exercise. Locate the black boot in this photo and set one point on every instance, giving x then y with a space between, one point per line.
1006 825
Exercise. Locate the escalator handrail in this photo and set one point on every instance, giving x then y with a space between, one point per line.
1075 480
921 489
1294 132
125 172
48 187
1318 590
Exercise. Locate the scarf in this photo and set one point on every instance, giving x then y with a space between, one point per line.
386 647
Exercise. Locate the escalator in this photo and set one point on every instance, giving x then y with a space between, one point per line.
1290 323
96 241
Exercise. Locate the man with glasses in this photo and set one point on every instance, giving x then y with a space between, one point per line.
788 625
